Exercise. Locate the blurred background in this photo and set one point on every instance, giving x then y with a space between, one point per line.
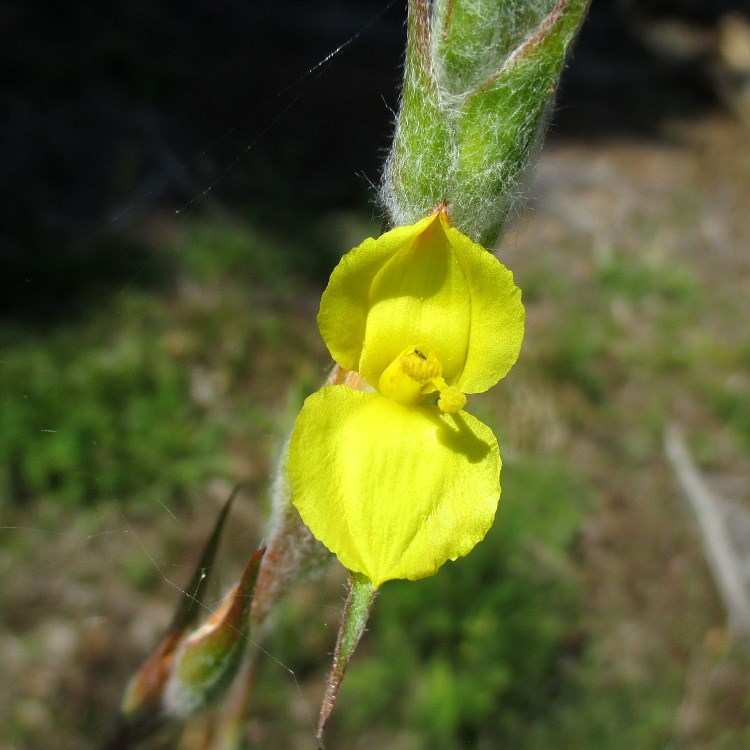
178 181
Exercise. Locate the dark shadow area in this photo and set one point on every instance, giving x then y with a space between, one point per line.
116 112
119 111
638 63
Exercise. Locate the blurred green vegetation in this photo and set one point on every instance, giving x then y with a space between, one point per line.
148 393
99 410
495 651
137 394
473 656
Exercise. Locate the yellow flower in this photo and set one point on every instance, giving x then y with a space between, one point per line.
398 480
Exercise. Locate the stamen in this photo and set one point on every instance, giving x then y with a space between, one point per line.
451 398
413 375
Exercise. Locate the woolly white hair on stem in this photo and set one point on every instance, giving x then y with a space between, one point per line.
478 81
292 552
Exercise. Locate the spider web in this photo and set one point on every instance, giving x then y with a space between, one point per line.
88 591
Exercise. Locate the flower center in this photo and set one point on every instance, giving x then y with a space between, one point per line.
412 375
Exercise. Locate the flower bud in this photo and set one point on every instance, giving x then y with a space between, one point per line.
207 660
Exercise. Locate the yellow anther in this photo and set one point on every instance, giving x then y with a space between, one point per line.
420 367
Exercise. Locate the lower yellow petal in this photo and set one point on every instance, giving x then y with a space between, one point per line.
393 491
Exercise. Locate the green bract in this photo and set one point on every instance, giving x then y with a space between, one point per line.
399 480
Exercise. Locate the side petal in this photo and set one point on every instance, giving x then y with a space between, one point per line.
392 491
346 301
497 314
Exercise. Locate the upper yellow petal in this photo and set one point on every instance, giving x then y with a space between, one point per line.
426 286
393 491
420 297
